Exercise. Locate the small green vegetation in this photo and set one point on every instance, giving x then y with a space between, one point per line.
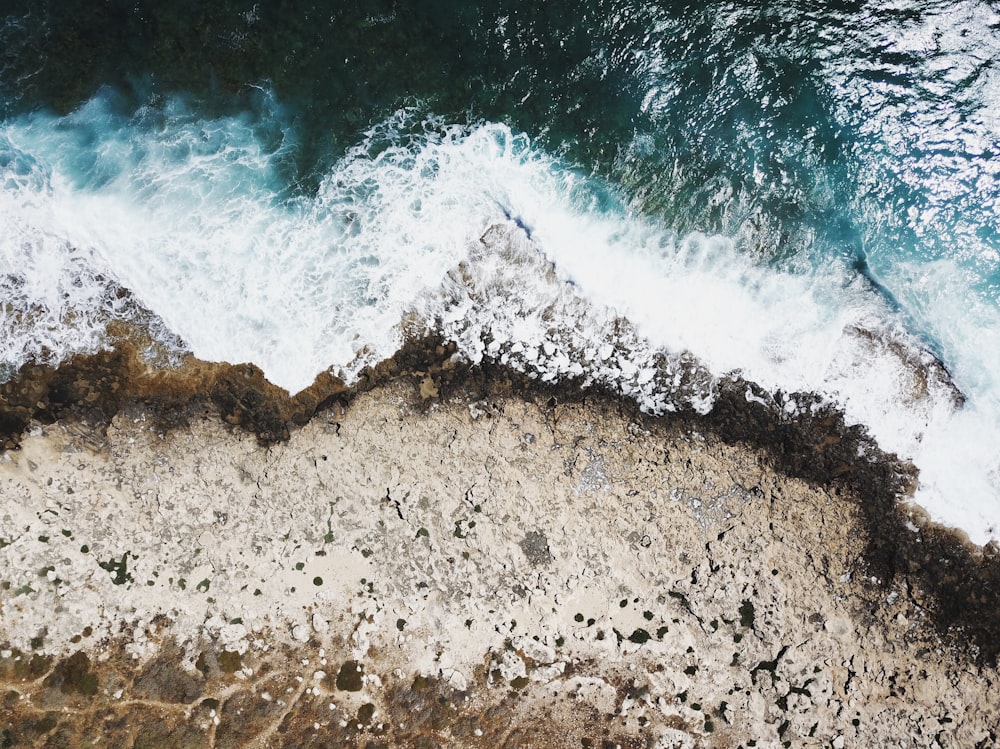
31 668
400 624
317 581
46 723
328 537
639 636
747 615
423 532
365 713
350 677
203 586
118 569
73 675
230 661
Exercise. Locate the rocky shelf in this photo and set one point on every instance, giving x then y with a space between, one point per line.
446 555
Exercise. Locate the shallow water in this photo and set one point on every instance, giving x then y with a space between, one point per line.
808 197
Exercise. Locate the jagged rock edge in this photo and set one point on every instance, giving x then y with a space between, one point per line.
956 581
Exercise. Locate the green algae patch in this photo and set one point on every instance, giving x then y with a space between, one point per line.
639 637
19 667
422 683
163 679
365 713
73 676
230 661
118 569
155 736
350 677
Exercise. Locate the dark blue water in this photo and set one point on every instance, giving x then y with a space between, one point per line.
808 194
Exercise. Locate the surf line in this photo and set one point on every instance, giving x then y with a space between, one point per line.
518 221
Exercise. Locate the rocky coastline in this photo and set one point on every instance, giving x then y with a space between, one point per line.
456 555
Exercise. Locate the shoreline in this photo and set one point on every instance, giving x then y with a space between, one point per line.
756 542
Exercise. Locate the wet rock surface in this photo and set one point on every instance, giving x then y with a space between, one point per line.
483 562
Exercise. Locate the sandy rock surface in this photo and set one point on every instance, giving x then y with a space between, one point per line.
412 571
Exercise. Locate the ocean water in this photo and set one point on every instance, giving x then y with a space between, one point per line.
644 195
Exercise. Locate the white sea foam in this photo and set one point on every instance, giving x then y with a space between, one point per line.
194 217
54 297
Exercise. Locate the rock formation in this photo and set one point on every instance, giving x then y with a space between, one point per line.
456 556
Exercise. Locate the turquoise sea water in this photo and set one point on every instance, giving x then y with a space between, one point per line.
805 193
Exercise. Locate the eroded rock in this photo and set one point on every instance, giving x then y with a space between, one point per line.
691 581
